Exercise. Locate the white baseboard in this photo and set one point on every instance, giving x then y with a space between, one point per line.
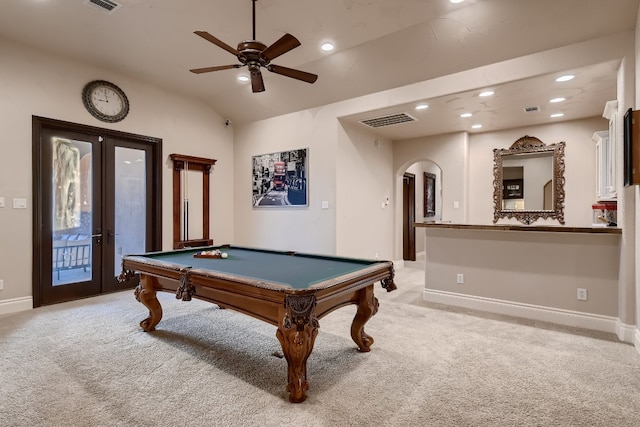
625 332
15 305
558 316
637 341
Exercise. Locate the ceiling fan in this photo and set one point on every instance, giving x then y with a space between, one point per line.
255 55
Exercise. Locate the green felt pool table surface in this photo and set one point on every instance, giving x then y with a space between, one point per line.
296 270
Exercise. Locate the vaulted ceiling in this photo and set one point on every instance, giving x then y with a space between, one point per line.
380 45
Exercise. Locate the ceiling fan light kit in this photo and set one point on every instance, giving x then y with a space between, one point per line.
256 55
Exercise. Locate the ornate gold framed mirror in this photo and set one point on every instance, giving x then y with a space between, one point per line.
528 181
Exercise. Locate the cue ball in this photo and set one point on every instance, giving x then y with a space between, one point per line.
224 255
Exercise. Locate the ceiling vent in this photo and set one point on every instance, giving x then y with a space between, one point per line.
392 119
531 109
106 6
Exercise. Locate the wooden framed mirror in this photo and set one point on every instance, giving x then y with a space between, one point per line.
528 181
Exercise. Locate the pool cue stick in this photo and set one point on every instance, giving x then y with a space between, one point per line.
186 201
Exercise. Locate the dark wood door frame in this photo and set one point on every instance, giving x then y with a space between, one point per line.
41 210
408 216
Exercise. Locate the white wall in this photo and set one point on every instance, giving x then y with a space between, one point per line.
304 229
37 83
364 192
528 274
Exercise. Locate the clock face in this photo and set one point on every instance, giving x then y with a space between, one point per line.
105 101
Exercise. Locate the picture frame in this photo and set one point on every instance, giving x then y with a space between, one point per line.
280 179
631 151
429 195
512 189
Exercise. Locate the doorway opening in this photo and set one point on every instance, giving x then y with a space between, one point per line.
421 201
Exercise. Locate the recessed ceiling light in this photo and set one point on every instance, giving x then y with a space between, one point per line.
243 78
556 115
466 115
327 46
476 126
422 106
565 78
456 1
486 93
554 100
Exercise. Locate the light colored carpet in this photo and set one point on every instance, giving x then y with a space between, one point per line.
87 363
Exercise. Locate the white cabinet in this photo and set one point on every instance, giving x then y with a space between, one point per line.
606 155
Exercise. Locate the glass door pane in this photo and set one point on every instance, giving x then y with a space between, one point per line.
96 198
72 218
130 203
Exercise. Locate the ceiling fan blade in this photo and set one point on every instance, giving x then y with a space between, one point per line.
209 69
295 74
283 45
216 41
257 84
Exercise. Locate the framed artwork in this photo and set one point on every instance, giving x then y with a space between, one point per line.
512 189
631 153
280 179
429 194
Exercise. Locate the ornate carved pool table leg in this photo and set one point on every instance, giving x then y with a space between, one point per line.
367 307
297 334
146 294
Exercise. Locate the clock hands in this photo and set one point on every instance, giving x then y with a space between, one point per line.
104 95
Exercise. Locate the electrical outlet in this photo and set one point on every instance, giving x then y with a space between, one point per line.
20 203
460 278
582 294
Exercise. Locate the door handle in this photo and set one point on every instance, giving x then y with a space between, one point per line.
98 236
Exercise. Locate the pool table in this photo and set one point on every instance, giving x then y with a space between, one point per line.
289 290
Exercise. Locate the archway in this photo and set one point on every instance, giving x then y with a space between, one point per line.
426 203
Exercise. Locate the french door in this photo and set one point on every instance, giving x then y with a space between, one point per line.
97 195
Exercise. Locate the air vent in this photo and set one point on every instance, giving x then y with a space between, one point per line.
106 6
533 109
393 119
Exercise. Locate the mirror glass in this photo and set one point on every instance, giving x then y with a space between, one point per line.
529 181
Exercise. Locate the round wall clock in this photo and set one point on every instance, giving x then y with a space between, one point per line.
105 101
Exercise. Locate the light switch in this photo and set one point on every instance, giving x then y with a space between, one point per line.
1 202
19 203
325 204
